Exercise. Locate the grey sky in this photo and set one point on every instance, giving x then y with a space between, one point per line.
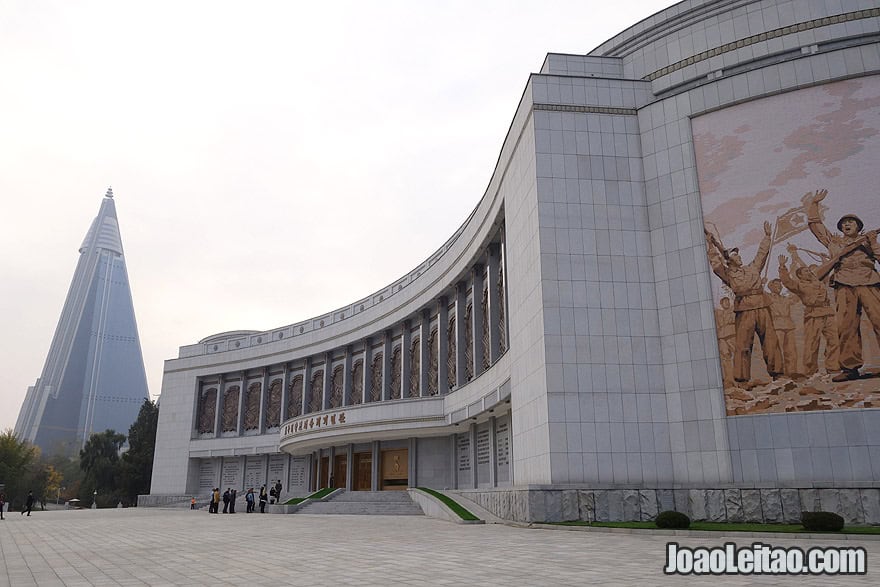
271 161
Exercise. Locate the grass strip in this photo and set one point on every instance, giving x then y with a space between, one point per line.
451 504
727 527
316 495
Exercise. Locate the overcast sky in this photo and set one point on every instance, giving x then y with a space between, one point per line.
271 161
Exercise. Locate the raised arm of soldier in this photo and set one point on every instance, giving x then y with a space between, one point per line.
763 248
871 235
789 281
796 261
818 229
716 257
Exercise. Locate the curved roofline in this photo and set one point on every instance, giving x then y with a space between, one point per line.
227 335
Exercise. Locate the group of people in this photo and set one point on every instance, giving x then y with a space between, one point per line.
28 504
230 496
849 272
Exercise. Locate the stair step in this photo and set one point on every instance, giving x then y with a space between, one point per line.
382 503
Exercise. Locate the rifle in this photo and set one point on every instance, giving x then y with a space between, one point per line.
824 269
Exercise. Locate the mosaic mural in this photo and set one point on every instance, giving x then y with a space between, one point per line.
789 190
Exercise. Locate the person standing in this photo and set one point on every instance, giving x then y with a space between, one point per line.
855 281
215 501
233 495
751 306
819 319
781 306
249 498
2 504
264 497
192 503
724 322
226 501
29 503
278 491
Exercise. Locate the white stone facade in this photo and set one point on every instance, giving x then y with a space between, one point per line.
603 364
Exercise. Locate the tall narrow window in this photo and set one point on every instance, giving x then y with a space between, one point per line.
357 382
295 402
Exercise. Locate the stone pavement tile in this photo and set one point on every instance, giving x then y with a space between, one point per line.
179 547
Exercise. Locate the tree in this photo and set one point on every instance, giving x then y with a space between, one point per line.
99 459
17 460
137 462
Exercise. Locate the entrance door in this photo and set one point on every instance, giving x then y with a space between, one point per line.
363 471
395 469
324 479
340 467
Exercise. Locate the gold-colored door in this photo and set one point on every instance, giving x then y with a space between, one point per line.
363 471
340 466
395 469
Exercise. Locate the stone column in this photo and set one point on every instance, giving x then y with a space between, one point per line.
327 386
307 386
477 317
386 367
494 309
242 388
374 474
367 370
346 377
405 360
493 482
424 351
472 432
285 392
460 332
412 475
218 418
331 466
264 401
442 345
349 468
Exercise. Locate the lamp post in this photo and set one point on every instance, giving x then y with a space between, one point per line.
95 500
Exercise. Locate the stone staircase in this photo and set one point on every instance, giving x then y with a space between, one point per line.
375 503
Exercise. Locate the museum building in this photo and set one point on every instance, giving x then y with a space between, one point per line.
563 355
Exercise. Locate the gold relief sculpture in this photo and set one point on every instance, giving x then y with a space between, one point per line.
357 383
485 306
450 358
469 342
433 363
376 378
502 328
252 406
414 360
316 391
336 387
295 399
815 314
207 410
230 409
395 373
273 408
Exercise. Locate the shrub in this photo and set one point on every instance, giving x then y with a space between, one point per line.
674 520
822 521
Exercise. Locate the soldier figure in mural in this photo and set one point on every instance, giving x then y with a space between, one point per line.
854 278
751 306
724 322
780 309
819 319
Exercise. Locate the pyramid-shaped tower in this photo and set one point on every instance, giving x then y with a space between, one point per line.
94 377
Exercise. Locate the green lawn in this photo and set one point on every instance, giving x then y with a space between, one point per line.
727 527
451 504
316 495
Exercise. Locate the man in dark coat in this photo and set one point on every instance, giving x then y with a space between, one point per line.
226 501
29 503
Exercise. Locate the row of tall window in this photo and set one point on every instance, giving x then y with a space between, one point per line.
244 413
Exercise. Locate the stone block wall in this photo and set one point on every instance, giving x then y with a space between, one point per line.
858 506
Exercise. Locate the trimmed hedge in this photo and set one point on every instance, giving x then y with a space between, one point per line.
673 520
822 521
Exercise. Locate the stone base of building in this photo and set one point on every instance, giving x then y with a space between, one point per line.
858 506
167 501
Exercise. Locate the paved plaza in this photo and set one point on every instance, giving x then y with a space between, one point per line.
182 547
